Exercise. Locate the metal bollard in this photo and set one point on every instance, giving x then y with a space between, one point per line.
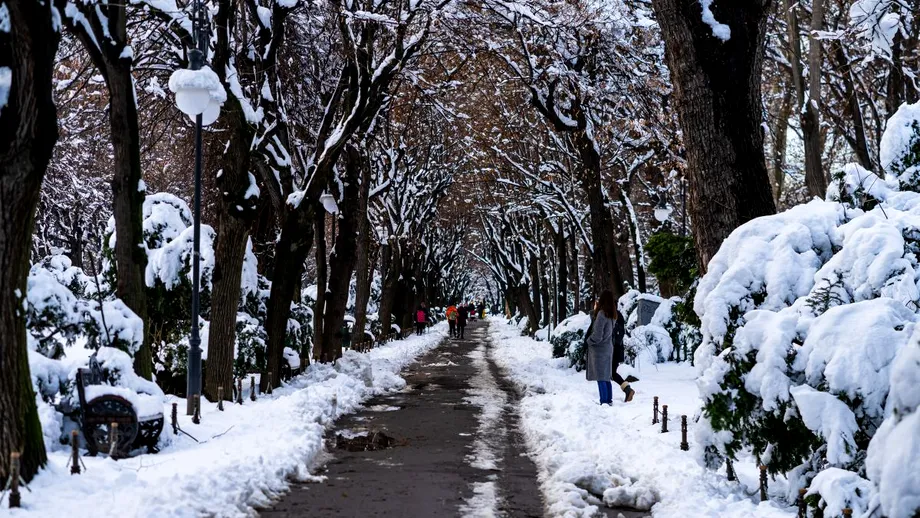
655 410
220 398
730 470
196 415
113 441
803 507
252 388
74 452
664 418
174 418
847 512
15 497
239 391
763 483
270 382
684 445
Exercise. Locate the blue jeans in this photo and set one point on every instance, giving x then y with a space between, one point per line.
606 390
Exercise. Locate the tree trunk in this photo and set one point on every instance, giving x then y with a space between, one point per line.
527 306
859 144
322 278
290 253
545 283
388 291
562 275
534 272
718 99
28 132
576 274
128 204
233 222
364 268
607 275
343 258
780 132
815 179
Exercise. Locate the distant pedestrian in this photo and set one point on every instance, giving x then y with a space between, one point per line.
421 318
452 315
462 314
482 310
605 349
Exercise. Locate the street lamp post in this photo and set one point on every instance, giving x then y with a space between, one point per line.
197 59
199 94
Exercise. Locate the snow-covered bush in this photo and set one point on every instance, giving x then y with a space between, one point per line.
899 149
568 339
809 345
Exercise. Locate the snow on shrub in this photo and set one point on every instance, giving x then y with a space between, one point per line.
669 336
899 149
809 346
568 339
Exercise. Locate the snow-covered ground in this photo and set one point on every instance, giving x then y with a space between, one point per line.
246 456
590 455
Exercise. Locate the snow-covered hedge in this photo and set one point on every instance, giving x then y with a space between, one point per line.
810 355
568 339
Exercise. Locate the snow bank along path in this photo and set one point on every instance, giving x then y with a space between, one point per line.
590 456
247 453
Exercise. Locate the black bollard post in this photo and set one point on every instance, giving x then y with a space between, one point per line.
15 497
252 388
730 470
803 507
196 415
74 452
664 418
220 398
763 484
239 391
113 440
684 445
174 418
270 382
655 410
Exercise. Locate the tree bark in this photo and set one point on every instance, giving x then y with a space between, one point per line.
562 275
290 254
343 258
322 278
233 222
28 132
364 268
718 100
780 133
390 280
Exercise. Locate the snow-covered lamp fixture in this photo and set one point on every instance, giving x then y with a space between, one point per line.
329 203
662 211
198 92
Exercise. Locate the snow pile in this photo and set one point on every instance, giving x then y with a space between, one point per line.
568 339
809 356
899 149
591 456
246 455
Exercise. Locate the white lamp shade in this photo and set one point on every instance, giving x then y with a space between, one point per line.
211 113
329 204
662 213
193 101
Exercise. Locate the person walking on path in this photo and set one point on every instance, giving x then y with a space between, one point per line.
421 317
462 314
452 315
605 349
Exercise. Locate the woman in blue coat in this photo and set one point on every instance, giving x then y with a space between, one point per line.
605 349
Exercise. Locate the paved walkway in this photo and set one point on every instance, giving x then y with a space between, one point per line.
448 445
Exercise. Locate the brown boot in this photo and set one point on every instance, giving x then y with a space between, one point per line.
630 393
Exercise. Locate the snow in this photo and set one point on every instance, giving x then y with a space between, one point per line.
901 131
588 454
830 418
6 81
205 79
247 455
837 488
719 30
579 322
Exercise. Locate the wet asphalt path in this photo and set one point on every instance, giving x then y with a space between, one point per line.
451 447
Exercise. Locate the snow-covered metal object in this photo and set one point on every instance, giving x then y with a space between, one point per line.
198 92
647 308
329 203
662 211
